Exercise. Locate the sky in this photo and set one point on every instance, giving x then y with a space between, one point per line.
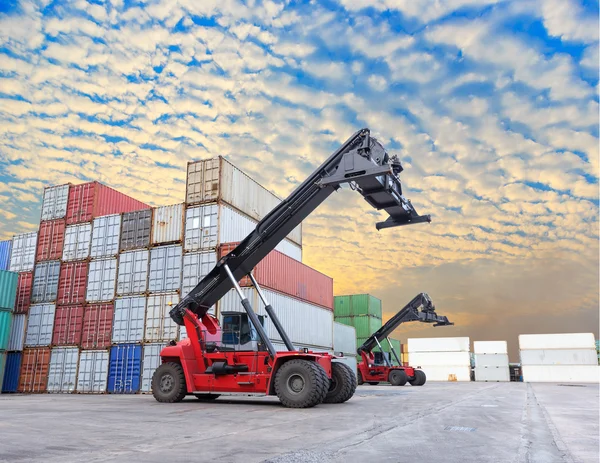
491 105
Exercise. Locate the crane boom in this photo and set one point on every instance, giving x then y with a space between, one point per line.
361 161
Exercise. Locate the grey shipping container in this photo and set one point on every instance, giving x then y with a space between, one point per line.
133 272
196 265
159 325
135 230
62 374
17 333
165 269
167 224
45 282
128 322
54 205
78 239
93 371
40 325
22 257
151 361
105 236
101 280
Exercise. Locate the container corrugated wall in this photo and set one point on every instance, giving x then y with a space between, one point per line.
34 370
159 325
5 248
93 371
16 339
45 282
78 240
62 372
51 239
201 227
151 362
357 304
24 286
6 317
344 339
22 256
54 204
135 230
93 199
97 326
72 283
8 289
12 371
132 277
68 325
128 325
106 232
365 325
101 280
40 324
167 224
165 269
196 265
125 369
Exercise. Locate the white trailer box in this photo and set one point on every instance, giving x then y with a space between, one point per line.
561 373
492 374
447 373
559 357
416 359
557 341
438 345
491 360
490 347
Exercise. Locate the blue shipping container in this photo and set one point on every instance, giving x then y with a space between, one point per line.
11 372
125 369
5 248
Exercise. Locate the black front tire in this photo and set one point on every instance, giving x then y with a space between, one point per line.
398 378
301 384
342 385
207 397
359 379
168 383
419 378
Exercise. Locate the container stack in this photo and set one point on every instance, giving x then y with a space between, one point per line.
8 293
442 359
559 358
344 343
491 361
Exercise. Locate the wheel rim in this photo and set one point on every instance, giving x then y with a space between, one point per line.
332 384
166 383
295 383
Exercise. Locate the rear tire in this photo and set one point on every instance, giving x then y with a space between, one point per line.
206 397
343 384
359 379
301 384
419 378
398 378
373 383
168 383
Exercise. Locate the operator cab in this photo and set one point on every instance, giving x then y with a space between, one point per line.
239 333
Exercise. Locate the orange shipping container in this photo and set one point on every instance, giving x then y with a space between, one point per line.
286 275
24 285
34 370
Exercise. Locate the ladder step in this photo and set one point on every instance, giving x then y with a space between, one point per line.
245 383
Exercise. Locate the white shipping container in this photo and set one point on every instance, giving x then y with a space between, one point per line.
16 338
159 324
304 323
561 373
165 269
45 282
438 345
490 347
557 341
62 374
491 360
449 373
150 363
128 323
40 325
217 179
54 205
105 236
167 225
196 265
344 339
559 357
133 272
349 361
492 374
93 371
417 359
101 280
78 239
22 257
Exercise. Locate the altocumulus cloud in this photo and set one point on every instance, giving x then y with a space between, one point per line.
493 107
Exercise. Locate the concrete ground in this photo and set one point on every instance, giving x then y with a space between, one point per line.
440 422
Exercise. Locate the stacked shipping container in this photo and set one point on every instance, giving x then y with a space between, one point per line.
442 359
8 292
491 361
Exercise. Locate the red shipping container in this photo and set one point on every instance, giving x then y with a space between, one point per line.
97 326
51 240
24 284
68 325
72 283
93 199
286 275
34 370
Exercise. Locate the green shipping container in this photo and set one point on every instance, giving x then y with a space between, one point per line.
365 325
8 289
356 304
5 323
395 345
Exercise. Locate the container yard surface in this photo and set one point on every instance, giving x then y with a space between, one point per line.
443 422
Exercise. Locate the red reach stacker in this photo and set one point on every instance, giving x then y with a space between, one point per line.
239 358
371 373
